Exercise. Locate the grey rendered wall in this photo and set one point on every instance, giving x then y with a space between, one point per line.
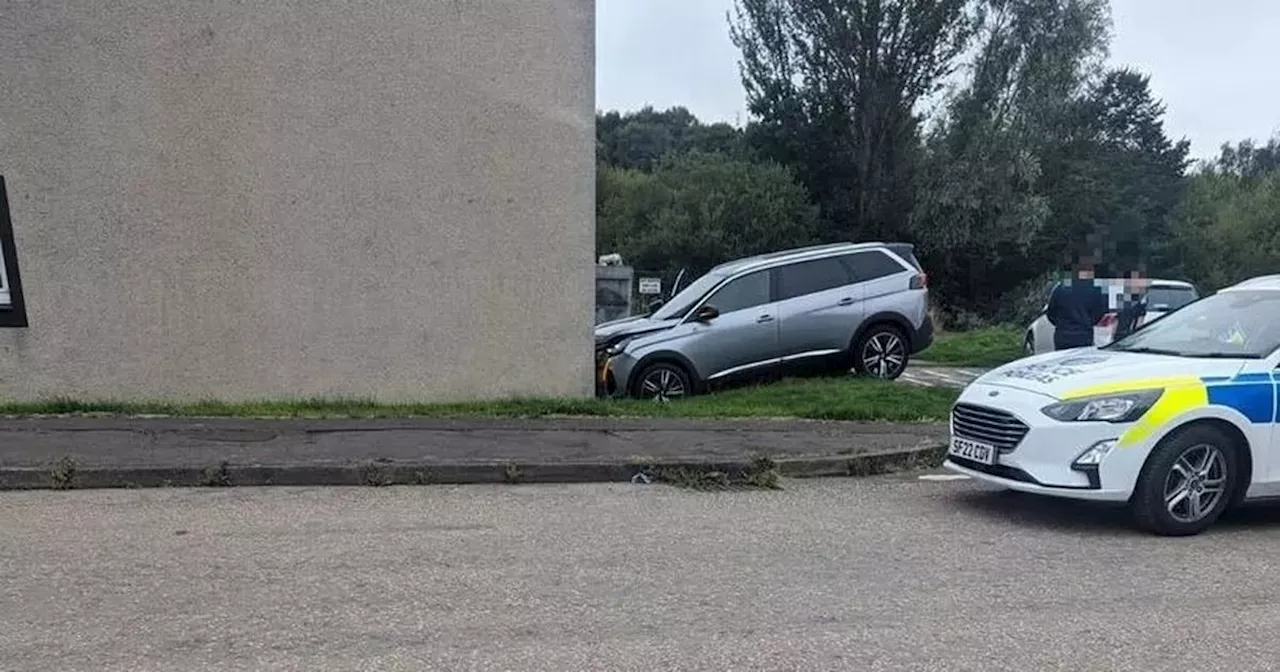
244 199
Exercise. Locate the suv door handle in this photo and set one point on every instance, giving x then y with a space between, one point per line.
846 301
765 318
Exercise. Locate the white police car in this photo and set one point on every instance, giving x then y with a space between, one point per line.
1179 419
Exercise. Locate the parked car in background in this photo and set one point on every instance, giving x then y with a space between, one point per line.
1163 296
860 306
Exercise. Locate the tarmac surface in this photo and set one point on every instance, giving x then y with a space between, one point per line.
884 573
927 375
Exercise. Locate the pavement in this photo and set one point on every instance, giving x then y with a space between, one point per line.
81 452
884 573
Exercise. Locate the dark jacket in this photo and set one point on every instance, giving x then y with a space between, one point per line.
1127 319
1074 309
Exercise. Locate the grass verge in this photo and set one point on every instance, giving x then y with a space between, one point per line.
987 347
834 398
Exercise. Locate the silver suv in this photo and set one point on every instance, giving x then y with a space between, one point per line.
847 305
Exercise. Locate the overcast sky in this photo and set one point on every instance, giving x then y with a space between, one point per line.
1212 62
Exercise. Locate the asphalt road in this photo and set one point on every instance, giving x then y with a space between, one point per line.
925 375
891 573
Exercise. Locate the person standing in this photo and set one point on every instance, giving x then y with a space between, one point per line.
1074 309
1133 306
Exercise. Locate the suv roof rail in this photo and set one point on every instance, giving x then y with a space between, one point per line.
757 260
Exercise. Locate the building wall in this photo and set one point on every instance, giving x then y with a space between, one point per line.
228 199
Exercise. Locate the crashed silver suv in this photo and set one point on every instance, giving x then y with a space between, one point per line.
860 306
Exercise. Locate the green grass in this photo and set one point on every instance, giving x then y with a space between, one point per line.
834 398
987 347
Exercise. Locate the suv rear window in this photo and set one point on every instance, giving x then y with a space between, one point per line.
872 265
811 277
906 252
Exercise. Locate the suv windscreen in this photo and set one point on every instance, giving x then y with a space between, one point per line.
811 277
685 299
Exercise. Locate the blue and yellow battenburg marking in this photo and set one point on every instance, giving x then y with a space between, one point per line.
1253 395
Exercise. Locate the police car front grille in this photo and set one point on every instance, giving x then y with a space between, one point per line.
988 425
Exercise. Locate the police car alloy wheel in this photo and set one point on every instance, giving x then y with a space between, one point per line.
1188 482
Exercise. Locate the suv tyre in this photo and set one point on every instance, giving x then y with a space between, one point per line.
882 352
662 381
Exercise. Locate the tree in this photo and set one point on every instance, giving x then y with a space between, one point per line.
834 86
641 139
1227 227
1138 173
1247 160
698 209
985 221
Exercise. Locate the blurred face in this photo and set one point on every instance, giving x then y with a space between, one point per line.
1084 267
1136 284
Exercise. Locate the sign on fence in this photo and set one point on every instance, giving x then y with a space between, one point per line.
650 285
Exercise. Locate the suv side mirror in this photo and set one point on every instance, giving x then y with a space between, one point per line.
706 314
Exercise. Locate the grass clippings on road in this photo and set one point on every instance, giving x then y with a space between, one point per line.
835 398
987 347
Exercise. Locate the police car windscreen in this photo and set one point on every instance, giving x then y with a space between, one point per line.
1235 324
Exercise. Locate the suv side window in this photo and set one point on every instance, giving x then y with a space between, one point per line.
872 265
746 292
811 277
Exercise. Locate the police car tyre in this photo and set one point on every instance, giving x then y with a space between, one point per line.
1187 483
881 352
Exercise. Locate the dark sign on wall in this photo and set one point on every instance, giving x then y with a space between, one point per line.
13 309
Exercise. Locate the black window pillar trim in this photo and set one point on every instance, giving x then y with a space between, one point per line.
13 315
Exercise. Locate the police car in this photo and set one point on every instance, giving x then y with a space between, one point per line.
1178 420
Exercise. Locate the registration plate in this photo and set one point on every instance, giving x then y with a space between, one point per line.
973 450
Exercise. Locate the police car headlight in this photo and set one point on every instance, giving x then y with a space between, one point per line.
1125 407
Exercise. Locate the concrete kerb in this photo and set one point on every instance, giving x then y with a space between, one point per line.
83 452
376 474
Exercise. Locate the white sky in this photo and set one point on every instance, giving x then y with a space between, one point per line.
1210 61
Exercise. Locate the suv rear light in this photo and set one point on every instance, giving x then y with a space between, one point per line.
920 281
1107 321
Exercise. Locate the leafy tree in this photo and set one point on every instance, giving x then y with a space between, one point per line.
834 86
1004 138
1137 174
698 209
641 139
1228 226
1247 160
